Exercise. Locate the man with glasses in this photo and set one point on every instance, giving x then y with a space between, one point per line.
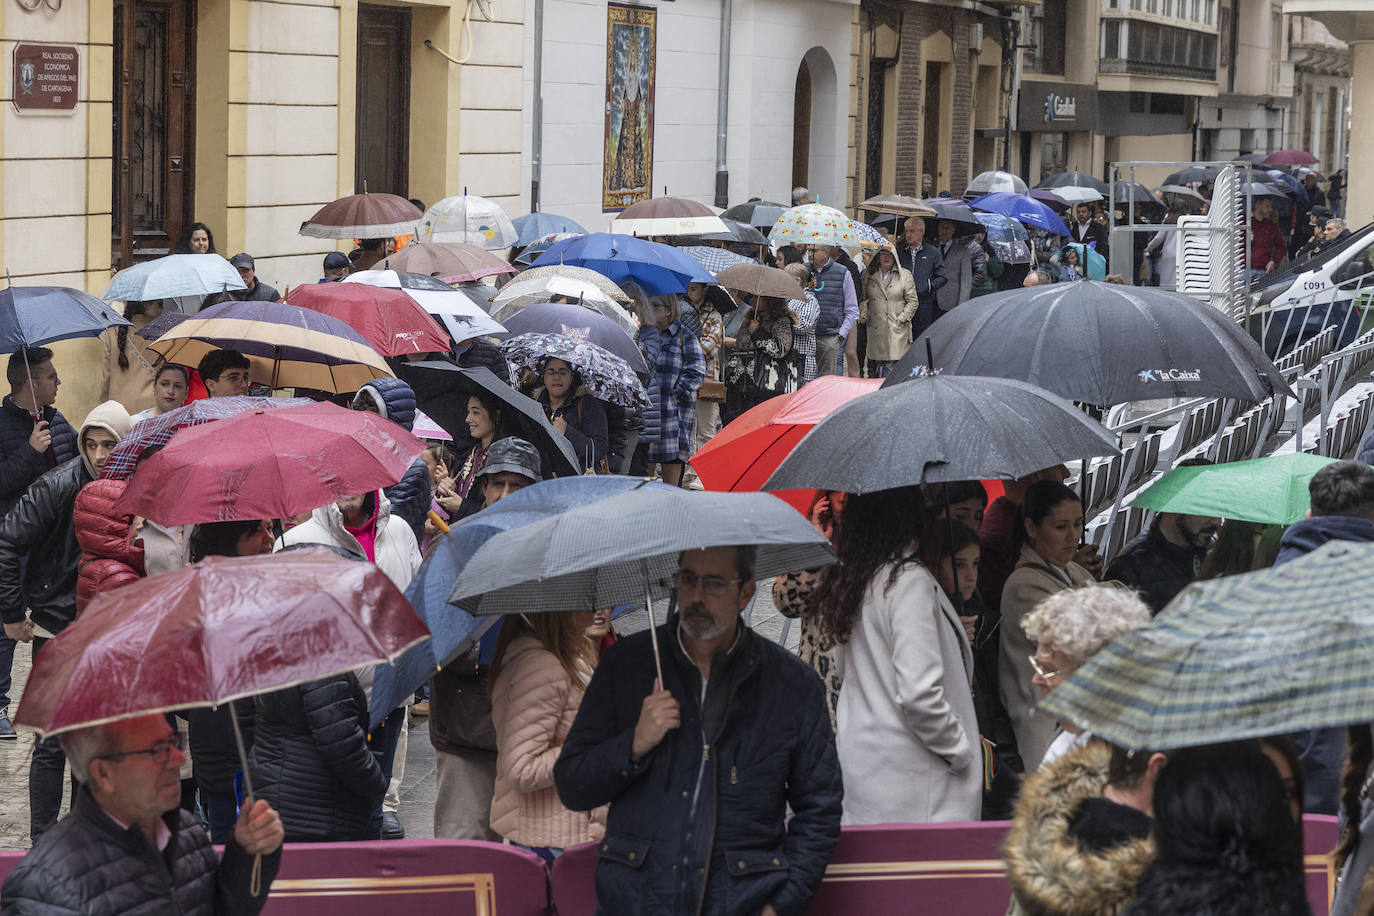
126 845
839 307
701 769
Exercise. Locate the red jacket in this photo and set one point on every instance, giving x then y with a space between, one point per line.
1266 243
108 559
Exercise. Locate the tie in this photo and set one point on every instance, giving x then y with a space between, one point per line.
944 250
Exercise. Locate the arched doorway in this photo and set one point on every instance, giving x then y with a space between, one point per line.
801 126
816 156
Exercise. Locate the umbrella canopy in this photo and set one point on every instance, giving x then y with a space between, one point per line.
667 216
542 244
1075 195
609 377
1090 264
424 427
600 281
470 219
453 262
157 430
442 391
223 629
1263 189
582 323
1178 190
761 214
1050 199
1007 237
938 429
391 322
1100 343
1128 192
1025 210
363 216
535 225
957 212
519 294
735 231
897 205
994 182
1290 157
716 259
761 281
172 276
161 325
1295 187
289 346
1260 653
869 237
1073 180
463 315
658 269
31 316
1194 174
813 224
1267 491
269 464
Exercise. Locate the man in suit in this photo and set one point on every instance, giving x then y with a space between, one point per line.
1085 229
963 268
923 260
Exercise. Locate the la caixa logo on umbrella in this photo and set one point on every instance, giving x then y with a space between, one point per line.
1145 376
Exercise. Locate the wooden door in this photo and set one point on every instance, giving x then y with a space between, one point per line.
930 128
382 156
801 127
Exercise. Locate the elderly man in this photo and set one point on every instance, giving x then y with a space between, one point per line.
127 847
927 269
965 267
839 307
698 822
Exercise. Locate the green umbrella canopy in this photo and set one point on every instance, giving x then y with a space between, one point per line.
1268 491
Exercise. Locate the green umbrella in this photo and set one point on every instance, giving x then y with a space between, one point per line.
1268 491
1260 653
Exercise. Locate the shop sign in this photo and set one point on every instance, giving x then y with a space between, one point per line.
1057 107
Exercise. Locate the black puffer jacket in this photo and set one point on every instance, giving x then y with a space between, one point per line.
769 747
1156 567
482 352
311 762
40 527
20 465
86 864
411 495
214 752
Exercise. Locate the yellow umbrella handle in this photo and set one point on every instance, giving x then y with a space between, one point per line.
438 522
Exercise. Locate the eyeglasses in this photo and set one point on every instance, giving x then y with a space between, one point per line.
161 752
557 373
1047 675
715 586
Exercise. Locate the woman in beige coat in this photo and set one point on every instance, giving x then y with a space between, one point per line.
543 665
129 369
889 304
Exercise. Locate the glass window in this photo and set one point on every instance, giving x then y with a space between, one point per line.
1052 153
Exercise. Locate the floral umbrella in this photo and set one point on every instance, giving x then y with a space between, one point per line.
814 224
608 376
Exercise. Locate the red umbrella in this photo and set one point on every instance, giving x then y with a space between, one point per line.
1290 157
269 464
390 321
746 452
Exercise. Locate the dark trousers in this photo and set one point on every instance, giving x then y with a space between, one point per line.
385 738
6 663
46 772
222 811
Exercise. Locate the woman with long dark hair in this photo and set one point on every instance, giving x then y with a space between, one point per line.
486 422
171 385
1355 852
907 731
128 373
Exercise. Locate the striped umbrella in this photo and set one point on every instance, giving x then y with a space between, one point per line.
1239 657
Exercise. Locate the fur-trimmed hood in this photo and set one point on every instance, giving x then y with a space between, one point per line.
1051 872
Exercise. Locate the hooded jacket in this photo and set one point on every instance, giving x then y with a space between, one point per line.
109 558
395 549
1305 536
1061 862
411 495
20 465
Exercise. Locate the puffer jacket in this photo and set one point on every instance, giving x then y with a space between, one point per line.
410 496
40 528
768 747
1060 863
20 465
87 864
533 705
396 551
311 762
482 352
108 558
214 751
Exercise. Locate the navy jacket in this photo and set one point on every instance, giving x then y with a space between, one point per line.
1155 567
1366 453
41 527
411 495
20 465
1307 535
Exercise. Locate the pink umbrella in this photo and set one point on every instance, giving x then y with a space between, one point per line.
1290 157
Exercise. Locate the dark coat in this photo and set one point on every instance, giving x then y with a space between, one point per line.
1096 232
311 762
482 352
20 465
1366 453
588 429
87 865
41 528
764 744
259 292
214 752
928 271
1307 535
1155 567
411 495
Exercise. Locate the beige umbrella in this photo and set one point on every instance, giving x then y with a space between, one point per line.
573 272
667 216
453 262
761 281
898 205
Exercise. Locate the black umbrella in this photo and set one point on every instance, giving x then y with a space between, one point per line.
736 232
761 214
1074 180
1193 174
1100 344
957 212
938 429
577 321
442 391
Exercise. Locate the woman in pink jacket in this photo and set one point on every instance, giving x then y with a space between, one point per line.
542 665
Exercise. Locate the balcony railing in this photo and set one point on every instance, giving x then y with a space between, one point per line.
1153 49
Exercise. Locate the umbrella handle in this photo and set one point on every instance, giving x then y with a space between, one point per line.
255 884
653 626
438 522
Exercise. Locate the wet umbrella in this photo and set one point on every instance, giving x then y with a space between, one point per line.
1194 174
994 182
761 281
362 216
869 236
172 276
542 244
582 323
716 259
1073 180
897 205
659 216
937 429
813 224
1266 491
601 281
1242 656
658 269
609 377
451 262
1025 210
761 214
1129 193
1263 189
269 464
1290 157
957 212
470 219
391 322
520 294
1076 195
1295 187
461 314
1050 199
161 325
1176 190
535 225
735 231
1008 238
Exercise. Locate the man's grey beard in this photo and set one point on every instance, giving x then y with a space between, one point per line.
691 625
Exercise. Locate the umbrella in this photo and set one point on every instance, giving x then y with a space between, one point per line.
600 281
761 281
156 430
1049 198
442 391
161 325
519 294
534 225
391 322
582 323
542 244
1073 180
1290 157
957 212
1267 491
1026 210
425 428
658 269
1134 192
31 316
869 237
993 182
1181 191
454 262
1194 174
1262 189
813 224
1090 263
897 205
1242 656
735 231
716 259
463 315
1076 195
741 456
667 216
940 428
363 216
172 276
1008 238
289 346
1101 344
1283 180
467 218
609 377
1252 158
761 214
269 464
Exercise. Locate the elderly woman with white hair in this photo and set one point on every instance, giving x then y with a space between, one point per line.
1070 627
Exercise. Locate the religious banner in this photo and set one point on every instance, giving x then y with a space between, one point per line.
628 158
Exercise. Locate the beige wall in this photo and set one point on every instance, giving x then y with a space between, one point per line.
1359 207
1166 148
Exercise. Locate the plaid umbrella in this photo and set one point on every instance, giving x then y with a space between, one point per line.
1268 491
716 259
608 376
1256 654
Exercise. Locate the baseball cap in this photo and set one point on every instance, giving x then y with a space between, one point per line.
336 260
512 454
242 259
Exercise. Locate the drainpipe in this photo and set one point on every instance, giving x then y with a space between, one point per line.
723 107
537 107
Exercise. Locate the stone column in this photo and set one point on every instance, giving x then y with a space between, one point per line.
1359 207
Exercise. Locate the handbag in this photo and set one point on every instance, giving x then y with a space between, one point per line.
711 390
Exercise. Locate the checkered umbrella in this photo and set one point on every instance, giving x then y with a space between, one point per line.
716 259
609 377
1256 654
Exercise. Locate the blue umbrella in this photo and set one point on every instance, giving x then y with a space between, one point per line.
1025 210
31 316
428 593
532 226
1090 261
172 276
658 269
